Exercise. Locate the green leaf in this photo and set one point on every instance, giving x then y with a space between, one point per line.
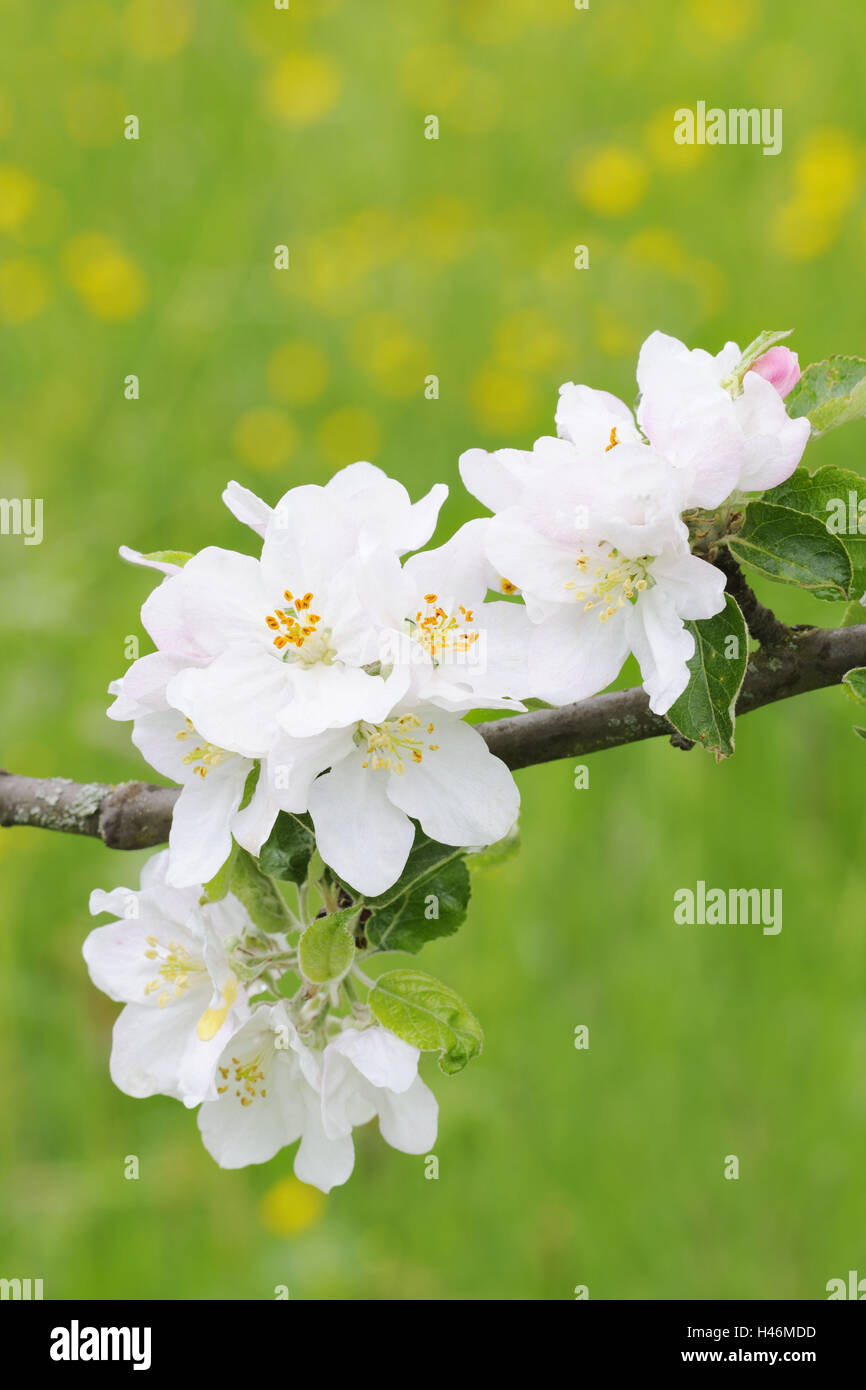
861 733
259 894
833 495
327 948
793 548
854 682
429 899
169 557
705 710
219 885
287 850
757 347
250 785
426 1013
830 393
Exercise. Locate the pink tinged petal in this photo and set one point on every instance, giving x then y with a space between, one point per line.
364 837
694 588
236 701
247 507
379 1055
662 646
774 443
163 618
460 792
200 839
781 367
320 1161
573 655
409 1121
588 418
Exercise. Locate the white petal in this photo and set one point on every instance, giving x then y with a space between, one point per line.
247 507
320 1161
573 655
200 839
379 1055
460 792
409 1121
359 831
235 702
587 417
663 647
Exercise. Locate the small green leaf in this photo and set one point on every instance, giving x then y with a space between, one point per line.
426 1013
429 899
259 894
327 949
793 548
287 850
830 393
169 557
834 496
219 885
705 710
854 682
757 347
861 733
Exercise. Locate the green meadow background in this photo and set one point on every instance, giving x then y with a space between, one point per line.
411 257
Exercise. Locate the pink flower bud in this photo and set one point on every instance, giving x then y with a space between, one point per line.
781 367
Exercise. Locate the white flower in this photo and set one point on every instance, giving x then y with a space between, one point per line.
273 1089
722 436
368 1072
380 506
461 652
603 562
267 1096
212 781
165 958
362 784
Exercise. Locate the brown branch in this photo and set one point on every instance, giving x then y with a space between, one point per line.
137 815
762 623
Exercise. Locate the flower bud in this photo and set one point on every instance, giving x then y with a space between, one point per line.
781 367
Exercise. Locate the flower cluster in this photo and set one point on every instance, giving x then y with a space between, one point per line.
324 683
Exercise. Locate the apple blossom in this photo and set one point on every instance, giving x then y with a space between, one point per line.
169 960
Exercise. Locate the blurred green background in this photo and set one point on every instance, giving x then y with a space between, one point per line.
411 257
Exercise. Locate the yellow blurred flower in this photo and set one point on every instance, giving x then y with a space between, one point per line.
99 270
265 438
24 290
827 169
397 360
157 29
801 230
529 340
297 372
722 23
18 193
664 149
502 400
290 1207
93 113
349 434
611 181
302 88
443 229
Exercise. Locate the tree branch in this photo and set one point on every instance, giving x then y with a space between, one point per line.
137 815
